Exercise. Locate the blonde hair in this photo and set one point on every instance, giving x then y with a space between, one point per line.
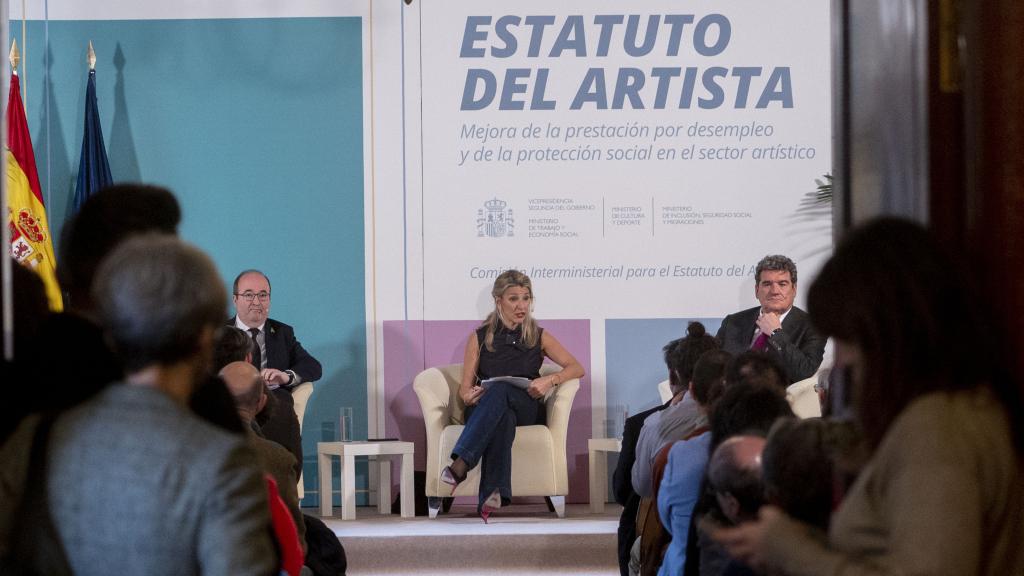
504 281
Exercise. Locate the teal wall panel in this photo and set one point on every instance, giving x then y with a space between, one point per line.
257 126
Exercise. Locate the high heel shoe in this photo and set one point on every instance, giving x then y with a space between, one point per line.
492 503
448 477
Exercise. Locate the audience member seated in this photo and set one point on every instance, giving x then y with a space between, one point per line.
756 368
232 345
31 309
622 481
277 353
775 326
735 478
683 416
807 463
748 406
707 374
30 306
142 485
105 220
943 491
325 555
249 393
212 401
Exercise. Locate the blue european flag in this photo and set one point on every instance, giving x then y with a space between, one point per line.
93 169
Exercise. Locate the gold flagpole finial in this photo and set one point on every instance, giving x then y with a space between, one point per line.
14 57
91 58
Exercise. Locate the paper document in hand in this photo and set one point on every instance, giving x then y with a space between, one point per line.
516 381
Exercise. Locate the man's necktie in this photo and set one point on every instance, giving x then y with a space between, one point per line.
257 355
760 343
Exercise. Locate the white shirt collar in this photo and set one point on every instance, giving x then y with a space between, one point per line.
242 326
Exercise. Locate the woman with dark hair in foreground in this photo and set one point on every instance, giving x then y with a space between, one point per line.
943 491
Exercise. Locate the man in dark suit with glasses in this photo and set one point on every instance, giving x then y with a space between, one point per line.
277 354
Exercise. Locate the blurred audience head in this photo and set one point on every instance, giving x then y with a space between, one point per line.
904 323
246 386
232 345
735 477
745 408
681 355
29 307
160 301
107 218
709 373
756 368
803 461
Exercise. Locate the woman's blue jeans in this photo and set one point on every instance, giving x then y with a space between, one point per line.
489 433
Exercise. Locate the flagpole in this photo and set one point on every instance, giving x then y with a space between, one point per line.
6 290
24 51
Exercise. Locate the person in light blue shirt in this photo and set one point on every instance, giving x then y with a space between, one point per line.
748 406
680 489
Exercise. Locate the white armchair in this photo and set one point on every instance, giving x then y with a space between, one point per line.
803 398
300 397
539 466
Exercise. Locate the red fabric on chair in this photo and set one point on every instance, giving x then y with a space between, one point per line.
285 533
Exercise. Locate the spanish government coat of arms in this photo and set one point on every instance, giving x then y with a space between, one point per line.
494 219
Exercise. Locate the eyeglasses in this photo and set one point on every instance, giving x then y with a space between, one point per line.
249 295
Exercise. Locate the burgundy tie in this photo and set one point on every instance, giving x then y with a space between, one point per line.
760 343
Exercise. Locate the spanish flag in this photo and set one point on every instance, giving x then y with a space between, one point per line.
30 232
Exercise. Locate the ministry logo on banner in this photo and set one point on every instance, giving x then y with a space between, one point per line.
494 220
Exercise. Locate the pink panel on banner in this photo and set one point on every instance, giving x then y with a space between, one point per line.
411 346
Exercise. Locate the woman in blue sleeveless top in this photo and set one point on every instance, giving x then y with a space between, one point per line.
508 343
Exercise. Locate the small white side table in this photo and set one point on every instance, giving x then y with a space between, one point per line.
599 449
384 453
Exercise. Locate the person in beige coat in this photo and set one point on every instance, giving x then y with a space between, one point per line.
943 490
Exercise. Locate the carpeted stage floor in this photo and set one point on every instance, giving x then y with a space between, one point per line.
520 539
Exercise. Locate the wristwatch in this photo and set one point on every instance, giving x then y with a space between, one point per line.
775 332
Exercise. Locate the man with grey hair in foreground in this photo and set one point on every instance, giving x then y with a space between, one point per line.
736 480
775 326
246 386
142 485
734 476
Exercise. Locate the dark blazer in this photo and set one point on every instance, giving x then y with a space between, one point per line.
285 353
275 460
797 347
622 484
278 421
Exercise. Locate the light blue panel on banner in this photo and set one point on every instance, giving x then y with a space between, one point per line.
635 363
257 126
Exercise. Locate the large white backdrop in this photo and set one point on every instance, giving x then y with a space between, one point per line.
636 159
